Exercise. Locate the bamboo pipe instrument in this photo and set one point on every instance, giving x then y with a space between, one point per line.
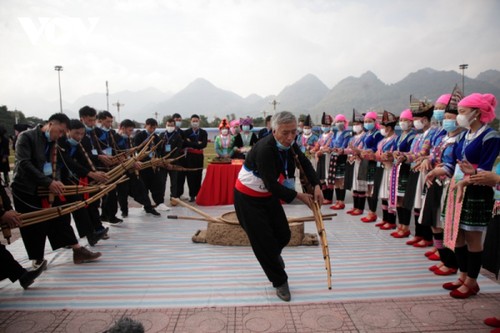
193 218
196 210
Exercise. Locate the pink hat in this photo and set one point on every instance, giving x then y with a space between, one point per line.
371 115
444 99
486 103
235 122
341 117
406 114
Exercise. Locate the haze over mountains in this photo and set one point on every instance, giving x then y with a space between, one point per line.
307 95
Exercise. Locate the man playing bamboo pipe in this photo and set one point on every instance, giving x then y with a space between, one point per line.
134 186
10 267
77 170
89 143
35 167
258 193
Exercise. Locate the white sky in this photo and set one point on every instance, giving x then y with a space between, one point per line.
257 46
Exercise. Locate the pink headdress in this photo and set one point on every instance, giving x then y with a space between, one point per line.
444 99
406 114
486 103
235 122
341 117
371 115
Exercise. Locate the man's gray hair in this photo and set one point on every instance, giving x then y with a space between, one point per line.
283 117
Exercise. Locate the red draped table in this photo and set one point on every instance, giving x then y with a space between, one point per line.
218 185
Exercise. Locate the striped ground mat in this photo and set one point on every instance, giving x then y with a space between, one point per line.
151 262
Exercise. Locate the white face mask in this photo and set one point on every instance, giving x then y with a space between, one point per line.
418 124
383 131
464 120
224 131
307 131
170 129
195 124
404 125
357 128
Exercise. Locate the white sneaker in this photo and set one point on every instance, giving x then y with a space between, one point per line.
162 207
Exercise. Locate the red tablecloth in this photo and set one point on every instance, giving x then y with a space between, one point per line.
218 185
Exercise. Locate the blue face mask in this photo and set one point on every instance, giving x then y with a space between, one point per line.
88 128
438 115
449 125
124 136
369 126
178 124
47 135
72 142
325 129
105 129
281 147
245 127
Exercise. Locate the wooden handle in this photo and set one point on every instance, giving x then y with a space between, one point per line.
196 210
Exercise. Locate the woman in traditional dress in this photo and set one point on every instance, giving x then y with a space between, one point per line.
400 172
353 152
368 165
245 139
385 161
469 206
224 142
422 114
321 152
307 139
338 159
442 165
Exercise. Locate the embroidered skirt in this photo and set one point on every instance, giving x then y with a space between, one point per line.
476 208
348 175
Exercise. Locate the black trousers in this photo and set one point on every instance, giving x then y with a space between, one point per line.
153 180
109 204
194 177
81 217
181 178
10 267
173 182
266 225
58 230
135 188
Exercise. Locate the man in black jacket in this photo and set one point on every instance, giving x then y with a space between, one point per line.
153 178
195 140
171 146
36 166
258 193
10 267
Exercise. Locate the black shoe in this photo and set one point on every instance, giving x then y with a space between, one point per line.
283 292
94 237
192 199
104 218
124 214
115 220
29 276
151 210
282 262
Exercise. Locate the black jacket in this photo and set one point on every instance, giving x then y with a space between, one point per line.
195 140
143 136
74 162
175 141
5 203
31 148
268 162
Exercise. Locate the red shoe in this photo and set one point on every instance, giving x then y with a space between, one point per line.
414 240
430 253
337 206
471 291
327 202
433 268
434 257
381 223
493 322
403 235
357 212
388 226
450 271
452 286
350 211
423 243
368 218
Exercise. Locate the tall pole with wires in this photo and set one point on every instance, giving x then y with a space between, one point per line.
59 69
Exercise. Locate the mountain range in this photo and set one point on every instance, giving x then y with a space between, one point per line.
309 95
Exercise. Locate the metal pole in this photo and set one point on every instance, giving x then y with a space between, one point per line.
59 69
107 97
463 67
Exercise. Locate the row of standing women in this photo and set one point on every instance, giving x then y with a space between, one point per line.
430 171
